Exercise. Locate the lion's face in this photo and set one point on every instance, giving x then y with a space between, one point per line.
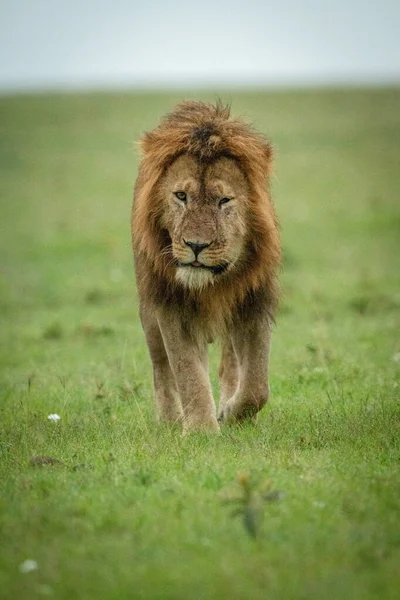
205 215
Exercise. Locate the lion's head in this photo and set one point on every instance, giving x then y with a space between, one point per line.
203 222
204 214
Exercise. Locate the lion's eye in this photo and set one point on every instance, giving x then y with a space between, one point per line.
224 201
181 196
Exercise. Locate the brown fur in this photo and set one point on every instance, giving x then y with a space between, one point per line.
201 140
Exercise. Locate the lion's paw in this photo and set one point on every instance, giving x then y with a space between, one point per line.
236 411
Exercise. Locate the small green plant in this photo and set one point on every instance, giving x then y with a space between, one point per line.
249 501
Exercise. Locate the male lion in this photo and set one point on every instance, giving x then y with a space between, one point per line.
206 250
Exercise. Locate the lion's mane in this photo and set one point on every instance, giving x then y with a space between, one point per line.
206 132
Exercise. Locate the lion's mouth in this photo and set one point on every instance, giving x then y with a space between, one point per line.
216 269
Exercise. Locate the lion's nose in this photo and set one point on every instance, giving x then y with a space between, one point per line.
196 247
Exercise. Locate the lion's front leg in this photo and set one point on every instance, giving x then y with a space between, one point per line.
229 371
252 343
188 360
168 403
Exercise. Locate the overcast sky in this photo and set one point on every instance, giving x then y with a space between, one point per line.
101 43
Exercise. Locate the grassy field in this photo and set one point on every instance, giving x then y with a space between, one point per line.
134 510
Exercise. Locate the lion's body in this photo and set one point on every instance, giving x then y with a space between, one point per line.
206 250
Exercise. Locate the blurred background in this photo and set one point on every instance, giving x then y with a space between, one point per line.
55 44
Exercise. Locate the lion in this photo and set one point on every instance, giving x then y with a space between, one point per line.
207 251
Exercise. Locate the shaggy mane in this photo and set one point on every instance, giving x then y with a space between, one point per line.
206 132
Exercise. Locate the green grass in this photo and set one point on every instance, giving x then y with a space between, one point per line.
136 510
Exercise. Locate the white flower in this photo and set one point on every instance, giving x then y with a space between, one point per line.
54 417
28 565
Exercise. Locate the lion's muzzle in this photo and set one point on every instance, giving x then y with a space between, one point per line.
197 247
